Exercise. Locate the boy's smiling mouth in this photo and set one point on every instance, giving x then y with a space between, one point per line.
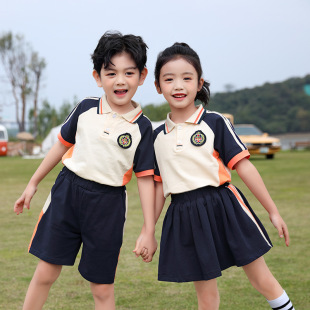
120 91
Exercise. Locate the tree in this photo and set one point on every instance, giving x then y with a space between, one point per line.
36 66
23 68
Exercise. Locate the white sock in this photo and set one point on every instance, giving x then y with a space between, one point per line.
281 303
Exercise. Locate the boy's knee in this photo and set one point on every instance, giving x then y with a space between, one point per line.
46 273
102 291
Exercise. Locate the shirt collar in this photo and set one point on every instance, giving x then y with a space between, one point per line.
194 119
131 116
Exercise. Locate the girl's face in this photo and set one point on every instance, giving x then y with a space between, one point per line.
178 82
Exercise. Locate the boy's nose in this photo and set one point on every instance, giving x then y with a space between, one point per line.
120 80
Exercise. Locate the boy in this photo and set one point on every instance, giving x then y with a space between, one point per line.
101 142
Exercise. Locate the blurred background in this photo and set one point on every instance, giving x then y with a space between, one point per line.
255 54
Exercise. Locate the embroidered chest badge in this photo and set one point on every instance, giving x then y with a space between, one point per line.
198 138
124 140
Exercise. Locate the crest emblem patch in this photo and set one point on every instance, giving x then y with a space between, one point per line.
124 140
198 138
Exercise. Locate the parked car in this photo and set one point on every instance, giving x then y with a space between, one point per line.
256 141
3 141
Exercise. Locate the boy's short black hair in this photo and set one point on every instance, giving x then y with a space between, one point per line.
112 43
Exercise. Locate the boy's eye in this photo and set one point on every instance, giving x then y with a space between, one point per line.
168 80
110 74
187 79
129 73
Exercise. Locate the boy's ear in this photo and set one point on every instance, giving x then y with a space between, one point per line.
143 75
97 78
200 84
157 88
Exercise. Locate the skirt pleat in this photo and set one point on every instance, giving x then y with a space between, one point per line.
206 231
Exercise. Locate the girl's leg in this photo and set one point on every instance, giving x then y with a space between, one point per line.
263 281
42 280
207 295
103 295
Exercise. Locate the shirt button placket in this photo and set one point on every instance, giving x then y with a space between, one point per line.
179 137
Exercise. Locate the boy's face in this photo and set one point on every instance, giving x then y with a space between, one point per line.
120 81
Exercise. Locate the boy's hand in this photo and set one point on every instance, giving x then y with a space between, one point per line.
146 246
24 200
280 225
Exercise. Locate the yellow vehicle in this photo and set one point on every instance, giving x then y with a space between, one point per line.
256 141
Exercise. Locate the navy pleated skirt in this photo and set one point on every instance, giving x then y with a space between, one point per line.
206 231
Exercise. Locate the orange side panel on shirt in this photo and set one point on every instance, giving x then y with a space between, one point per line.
223 174
35 229
127 176
68 154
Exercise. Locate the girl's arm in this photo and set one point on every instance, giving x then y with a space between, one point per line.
159 199
146 243
49 162
252 179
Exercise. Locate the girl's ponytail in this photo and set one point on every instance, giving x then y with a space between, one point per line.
204 94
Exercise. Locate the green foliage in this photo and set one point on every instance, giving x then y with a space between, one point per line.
49 117
274 108
156 112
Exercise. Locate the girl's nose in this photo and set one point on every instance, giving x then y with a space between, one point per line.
178 85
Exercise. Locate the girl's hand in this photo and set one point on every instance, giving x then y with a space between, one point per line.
146 246
24 200
280 225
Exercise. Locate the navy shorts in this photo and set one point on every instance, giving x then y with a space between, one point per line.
80 211
206 231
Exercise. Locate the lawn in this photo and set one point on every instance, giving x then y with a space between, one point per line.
136 287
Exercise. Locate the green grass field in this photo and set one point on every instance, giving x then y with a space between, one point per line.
136 287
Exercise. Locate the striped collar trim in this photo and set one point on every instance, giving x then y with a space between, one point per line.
194 119
131 116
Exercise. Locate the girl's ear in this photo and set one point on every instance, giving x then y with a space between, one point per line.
200 84
97 78
143 75
157 88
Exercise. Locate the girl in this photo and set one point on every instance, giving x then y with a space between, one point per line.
209 225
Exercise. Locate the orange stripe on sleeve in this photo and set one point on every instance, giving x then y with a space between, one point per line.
145 173
64 142
238 157
35 229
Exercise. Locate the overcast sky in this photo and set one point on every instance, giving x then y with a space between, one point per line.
241 42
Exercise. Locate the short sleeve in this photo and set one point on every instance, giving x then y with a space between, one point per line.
228 144
144 156
68 129
157 176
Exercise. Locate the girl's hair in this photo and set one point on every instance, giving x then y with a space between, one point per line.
182 50
113 43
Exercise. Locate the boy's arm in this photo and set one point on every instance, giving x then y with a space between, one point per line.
146 244
49 162
252 179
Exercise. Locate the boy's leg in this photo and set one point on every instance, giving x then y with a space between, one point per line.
103 295
264 282
44 276
207 295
